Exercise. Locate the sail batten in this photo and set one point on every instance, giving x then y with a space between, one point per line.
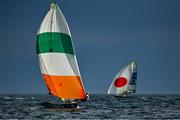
57 57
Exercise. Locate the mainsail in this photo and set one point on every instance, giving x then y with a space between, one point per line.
124 82
57 57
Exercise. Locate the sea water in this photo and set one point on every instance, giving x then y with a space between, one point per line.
99 106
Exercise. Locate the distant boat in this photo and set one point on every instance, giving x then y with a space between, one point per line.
124 83
57 58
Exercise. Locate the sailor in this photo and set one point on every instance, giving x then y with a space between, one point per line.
87 97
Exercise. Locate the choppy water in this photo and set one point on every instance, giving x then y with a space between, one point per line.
98 107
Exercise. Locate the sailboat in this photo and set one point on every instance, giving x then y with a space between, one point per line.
124 83
57 58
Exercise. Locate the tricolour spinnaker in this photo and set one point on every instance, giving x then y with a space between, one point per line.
57 57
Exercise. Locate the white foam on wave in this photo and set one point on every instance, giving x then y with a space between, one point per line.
7 97
32 98
33 108
19 98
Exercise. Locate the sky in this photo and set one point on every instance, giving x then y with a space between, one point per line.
107 35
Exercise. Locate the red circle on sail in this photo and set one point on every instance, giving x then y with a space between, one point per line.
120 82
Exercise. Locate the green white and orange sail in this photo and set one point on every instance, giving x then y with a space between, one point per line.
57 57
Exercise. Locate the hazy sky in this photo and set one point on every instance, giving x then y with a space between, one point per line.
107 35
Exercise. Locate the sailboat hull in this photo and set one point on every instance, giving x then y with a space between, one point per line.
61 107
130 96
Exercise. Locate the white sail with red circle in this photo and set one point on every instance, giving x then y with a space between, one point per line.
124 83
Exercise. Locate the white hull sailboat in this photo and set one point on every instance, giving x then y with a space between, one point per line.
124 83
57 58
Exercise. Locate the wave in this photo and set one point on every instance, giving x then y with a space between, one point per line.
19 98
7 97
